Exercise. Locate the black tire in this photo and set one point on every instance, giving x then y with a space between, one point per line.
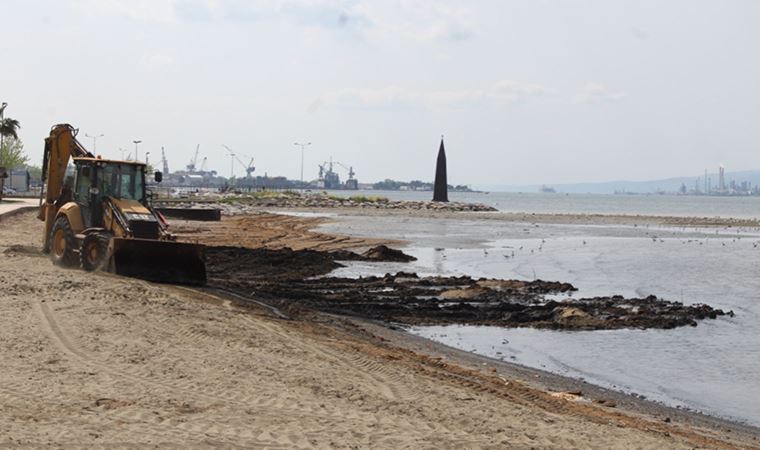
93 254
63 244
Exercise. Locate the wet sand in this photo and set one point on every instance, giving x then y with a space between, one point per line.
99 360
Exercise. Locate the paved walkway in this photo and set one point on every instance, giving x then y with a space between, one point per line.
10 206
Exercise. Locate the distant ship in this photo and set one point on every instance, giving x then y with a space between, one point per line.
547 189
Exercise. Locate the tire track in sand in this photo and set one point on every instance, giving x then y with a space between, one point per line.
309 413
379 378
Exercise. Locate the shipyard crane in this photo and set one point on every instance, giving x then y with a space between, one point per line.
331 180
327 167
351 172
191 166
232 160
164 162
248 167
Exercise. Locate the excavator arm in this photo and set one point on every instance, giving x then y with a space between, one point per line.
60 147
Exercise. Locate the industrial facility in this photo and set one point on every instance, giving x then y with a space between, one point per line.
329 178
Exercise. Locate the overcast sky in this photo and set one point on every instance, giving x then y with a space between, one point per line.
525 91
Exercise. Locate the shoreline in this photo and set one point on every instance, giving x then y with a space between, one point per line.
326 361
545 218
554 382
565 382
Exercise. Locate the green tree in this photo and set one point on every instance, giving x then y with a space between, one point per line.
9 128
12 153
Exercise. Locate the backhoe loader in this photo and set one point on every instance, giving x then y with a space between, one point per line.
103 220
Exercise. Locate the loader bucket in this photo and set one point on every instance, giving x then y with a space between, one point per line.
161 261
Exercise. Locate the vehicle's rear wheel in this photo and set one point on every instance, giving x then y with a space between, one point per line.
94 252
63 243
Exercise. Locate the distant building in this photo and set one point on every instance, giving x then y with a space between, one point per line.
19 179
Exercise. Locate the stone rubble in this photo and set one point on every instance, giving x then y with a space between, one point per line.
236 204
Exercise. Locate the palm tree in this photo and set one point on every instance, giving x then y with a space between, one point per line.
8 127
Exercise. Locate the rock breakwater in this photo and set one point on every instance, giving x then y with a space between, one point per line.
234 204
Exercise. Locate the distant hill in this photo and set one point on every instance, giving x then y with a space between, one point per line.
639 187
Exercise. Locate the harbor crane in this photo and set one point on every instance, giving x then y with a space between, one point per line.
249 168
191 166
351 172
164 162
232 160
331 180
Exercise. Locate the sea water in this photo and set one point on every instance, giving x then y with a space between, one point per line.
714 367
534 202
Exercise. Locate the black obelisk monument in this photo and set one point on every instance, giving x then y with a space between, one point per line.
441 188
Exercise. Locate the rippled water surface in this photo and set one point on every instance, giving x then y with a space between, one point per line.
714 367
658 205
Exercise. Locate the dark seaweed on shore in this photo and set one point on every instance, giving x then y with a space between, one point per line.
294 280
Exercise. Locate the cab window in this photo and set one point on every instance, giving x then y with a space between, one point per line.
82 187
123 181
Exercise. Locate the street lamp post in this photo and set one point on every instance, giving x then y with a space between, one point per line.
94 141
302 148
136 142
2 116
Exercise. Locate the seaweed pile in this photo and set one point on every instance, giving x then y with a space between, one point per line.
296 280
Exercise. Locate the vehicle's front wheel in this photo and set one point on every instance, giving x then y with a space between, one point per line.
63 243
94 252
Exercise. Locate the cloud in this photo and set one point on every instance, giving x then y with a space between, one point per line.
417 20
594 93
157 59
311 13
639 33
161 11
396 97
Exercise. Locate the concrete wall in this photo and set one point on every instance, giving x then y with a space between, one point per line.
18 179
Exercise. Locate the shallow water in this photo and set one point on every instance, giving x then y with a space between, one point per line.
714 367
657 205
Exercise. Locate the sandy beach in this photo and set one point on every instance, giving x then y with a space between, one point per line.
104 361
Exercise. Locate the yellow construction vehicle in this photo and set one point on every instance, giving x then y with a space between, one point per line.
103 221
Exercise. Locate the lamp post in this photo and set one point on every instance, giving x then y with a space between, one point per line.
136 142
302 148
122 150
2 116
94 141
146 157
